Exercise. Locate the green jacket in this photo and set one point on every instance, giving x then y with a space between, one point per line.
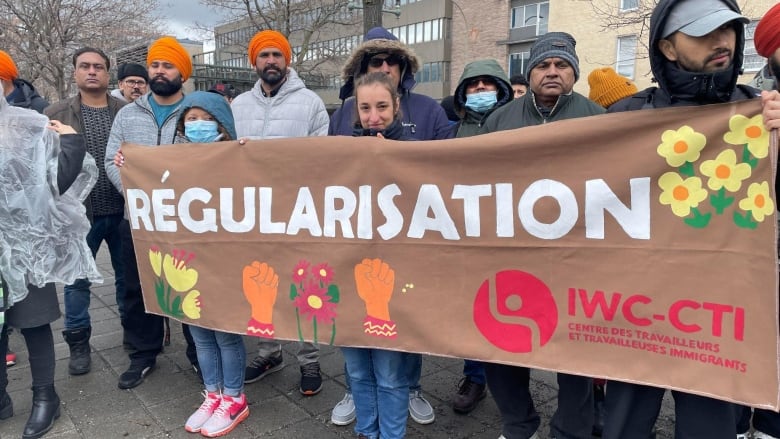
471 123
522 112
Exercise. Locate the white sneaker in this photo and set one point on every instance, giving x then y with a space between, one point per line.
759 435
535 436
344 412
420 410
204 412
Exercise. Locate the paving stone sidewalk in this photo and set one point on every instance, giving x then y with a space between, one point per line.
94 407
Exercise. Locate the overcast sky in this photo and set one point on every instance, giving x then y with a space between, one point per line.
182 18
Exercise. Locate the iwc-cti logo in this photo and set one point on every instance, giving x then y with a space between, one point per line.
516 311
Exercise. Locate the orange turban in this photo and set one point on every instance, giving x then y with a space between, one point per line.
269 38
168 49
767 35
7 67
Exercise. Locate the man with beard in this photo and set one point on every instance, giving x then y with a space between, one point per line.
766 423
149 120
279 105
696 53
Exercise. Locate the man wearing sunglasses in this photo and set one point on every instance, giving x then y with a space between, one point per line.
133 81
423 119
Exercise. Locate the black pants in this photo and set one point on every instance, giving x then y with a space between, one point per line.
765 421
509 385
143 333
40 347
632 409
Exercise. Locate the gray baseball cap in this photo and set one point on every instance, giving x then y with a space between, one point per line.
697 18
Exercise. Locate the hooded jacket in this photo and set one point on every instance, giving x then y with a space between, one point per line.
677 87
472 122
421 116
25 96
294 111
212 103
135 123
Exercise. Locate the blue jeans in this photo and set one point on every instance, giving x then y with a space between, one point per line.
222 357
474 370
77 295
380 389
413 367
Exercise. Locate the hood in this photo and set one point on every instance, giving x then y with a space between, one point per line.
678 82
378 40
215 104
24 94
483 67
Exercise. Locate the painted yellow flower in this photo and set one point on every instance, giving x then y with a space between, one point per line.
758 201
191 304
179 277
749 131
155 258
681 194
680 146
725 172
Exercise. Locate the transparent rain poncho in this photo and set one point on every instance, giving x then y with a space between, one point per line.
42 233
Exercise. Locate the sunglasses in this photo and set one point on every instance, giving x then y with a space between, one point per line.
484 80
392 60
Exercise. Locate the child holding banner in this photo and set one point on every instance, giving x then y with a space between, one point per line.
379 383
206 117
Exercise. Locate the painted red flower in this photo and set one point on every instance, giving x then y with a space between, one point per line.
323 273
299 273
314 302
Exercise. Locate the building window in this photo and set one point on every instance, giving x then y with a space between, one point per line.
626 56
628 5
534 15
753 61
432 72
517 63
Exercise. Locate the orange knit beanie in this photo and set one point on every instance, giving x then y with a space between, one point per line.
168 49
269 38
607 87
7 67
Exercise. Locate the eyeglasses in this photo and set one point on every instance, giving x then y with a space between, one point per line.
392 60
133 83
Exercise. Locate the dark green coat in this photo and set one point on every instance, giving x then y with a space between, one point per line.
522 112
471 123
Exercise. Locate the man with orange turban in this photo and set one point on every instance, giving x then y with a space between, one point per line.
149 120
279 105
767 42
18 92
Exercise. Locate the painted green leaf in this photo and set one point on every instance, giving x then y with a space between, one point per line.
159 291
333 292
698 221
293 292
176 307
745 221
748 158
687 169
720 201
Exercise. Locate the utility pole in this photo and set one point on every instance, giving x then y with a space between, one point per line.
372 14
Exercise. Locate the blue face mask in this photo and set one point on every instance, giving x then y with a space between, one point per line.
482 101
201 131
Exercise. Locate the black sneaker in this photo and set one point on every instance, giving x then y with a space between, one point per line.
311 380
260 367
135 374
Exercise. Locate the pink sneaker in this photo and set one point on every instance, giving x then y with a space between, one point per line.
10 359
204 412
231 412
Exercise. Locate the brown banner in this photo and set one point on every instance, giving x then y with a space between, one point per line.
636 246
